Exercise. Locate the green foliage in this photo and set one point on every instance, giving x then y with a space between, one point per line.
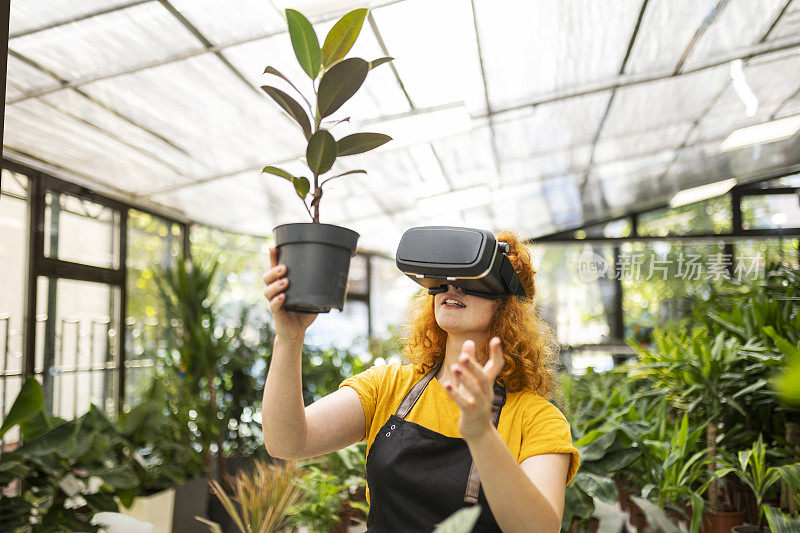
750 466
339 80
324 495
659 523
462 521
780 522
29 401
71 469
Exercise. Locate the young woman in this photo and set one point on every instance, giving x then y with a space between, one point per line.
466 421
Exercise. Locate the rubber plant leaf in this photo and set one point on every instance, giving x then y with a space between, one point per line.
291 106
276 72
304 42
359 143
379 62
275 171
342 37
340 83
321 152
30 401
302 186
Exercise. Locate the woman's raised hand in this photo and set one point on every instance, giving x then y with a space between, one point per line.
473 388
288 325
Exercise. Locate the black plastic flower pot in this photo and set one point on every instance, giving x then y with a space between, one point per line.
317 259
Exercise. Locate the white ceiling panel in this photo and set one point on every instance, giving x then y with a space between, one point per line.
238 203
740 24
535 48
789 24
650 142
644 107
452 73
550 127
108 43
468 159
202 107
224 22
27 16
665 32
27 78
36 129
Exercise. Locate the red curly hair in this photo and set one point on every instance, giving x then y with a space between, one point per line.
528 343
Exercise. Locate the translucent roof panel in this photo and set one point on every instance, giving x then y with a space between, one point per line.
643 107
550 127
453 73
740 24
665 32
34 128
789 24
537 48
108 43
27 78
207 111
223 22
126 96
26 16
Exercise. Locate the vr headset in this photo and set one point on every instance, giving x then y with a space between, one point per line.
470 259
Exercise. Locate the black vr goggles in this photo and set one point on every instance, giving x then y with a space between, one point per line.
470 259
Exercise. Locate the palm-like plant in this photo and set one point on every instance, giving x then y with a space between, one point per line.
261 501
700 376
750 466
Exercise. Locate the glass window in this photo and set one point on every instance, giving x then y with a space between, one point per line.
752 256
153 244
13 265
81 231
708 216
771 211
575 295
77 345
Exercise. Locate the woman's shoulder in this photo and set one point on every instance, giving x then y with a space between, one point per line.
534 406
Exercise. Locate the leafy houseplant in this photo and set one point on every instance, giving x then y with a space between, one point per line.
317 256
261 500
751 467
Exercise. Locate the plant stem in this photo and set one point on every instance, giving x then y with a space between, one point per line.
711 442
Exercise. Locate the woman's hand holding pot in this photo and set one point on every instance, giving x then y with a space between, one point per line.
288 325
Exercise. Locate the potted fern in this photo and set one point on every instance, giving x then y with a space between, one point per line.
317 256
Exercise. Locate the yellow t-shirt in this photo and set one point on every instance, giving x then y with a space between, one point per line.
529 424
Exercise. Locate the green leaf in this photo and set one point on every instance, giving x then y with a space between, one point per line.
339 84
278 172
302 186
378 62
779 522
359 143
120 478
321 152
659 523
304 42
462 521
598 487
30 401
291 106
597 449
276 72
342 37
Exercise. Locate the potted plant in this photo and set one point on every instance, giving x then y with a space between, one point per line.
702 376
261 500
317 256
750 466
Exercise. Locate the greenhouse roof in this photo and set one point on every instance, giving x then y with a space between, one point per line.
575 110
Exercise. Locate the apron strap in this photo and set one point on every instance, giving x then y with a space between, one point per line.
473 481
416 391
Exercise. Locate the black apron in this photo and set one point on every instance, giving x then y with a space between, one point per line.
418 477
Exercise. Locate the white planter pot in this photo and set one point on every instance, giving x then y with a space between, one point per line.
155 509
